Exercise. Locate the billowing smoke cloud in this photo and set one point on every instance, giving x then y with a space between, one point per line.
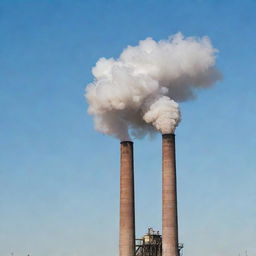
138 92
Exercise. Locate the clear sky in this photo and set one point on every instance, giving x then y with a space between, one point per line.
59 179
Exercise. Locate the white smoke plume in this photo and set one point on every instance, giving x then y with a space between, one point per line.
138 92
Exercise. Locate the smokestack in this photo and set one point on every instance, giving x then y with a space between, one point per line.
169 197
127 211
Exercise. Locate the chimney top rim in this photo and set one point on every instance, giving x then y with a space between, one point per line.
168 134
126 141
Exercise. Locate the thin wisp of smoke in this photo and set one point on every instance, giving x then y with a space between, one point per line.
138 93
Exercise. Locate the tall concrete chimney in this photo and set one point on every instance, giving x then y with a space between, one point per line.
127 211
169 197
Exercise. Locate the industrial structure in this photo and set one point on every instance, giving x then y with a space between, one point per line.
152 244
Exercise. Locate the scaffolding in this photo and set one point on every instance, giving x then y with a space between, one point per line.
151 244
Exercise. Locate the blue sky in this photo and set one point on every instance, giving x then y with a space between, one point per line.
59 179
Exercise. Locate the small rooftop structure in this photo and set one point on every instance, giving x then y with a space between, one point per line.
151 244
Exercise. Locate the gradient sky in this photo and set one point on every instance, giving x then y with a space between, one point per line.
59 179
